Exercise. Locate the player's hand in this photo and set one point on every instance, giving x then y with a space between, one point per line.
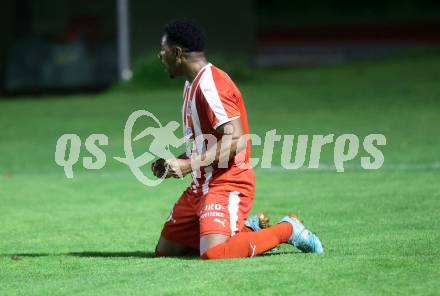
159 168
177 167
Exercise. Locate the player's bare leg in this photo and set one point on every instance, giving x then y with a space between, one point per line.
211 240
169 248
166 248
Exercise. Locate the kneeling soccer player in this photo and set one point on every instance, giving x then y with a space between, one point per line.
210 216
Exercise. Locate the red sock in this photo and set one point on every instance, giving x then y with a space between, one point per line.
246 229
249 244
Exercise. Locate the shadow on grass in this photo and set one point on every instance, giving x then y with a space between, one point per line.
137 254
132 254
94 254
90 254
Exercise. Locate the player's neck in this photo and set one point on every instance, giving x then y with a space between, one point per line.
193 65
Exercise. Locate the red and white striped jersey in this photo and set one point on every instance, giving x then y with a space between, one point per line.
209 101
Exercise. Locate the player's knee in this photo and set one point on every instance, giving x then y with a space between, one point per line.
158 253
212 254
161 251
166 248
208 256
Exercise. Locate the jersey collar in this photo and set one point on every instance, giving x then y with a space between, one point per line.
200 73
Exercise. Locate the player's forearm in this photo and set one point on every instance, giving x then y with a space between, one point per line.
223 152
230 144
220 154
182 156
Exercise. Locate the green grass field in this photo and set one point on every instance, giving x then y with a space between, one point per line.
95 234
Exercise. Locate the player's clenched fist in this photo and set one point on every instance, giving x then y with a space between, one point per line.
159 168
175 167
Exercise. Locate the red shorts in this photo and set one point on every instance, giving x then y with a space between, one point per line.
223 210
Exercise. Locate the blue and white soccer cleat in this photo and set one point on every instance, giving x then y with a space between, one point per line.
302 238
257 222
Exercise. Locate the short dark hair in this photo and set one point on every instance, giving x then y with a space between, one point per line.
185 33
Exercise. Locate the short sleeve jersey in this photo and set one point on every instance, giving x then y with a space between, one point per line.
209 101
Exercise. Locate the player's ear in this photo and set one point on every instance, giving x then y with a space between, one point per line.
178 52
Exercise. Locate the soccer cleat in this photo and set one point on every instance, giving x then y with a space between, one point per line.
257 222
302 238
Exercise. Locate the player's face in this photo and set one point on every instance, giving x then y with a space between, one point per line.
170 56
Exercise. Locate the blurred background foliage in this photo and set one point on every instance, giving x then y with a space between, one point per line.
70 45
148 72
322 12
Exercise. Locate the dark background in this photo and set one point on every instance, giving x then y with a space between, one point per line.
70 45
